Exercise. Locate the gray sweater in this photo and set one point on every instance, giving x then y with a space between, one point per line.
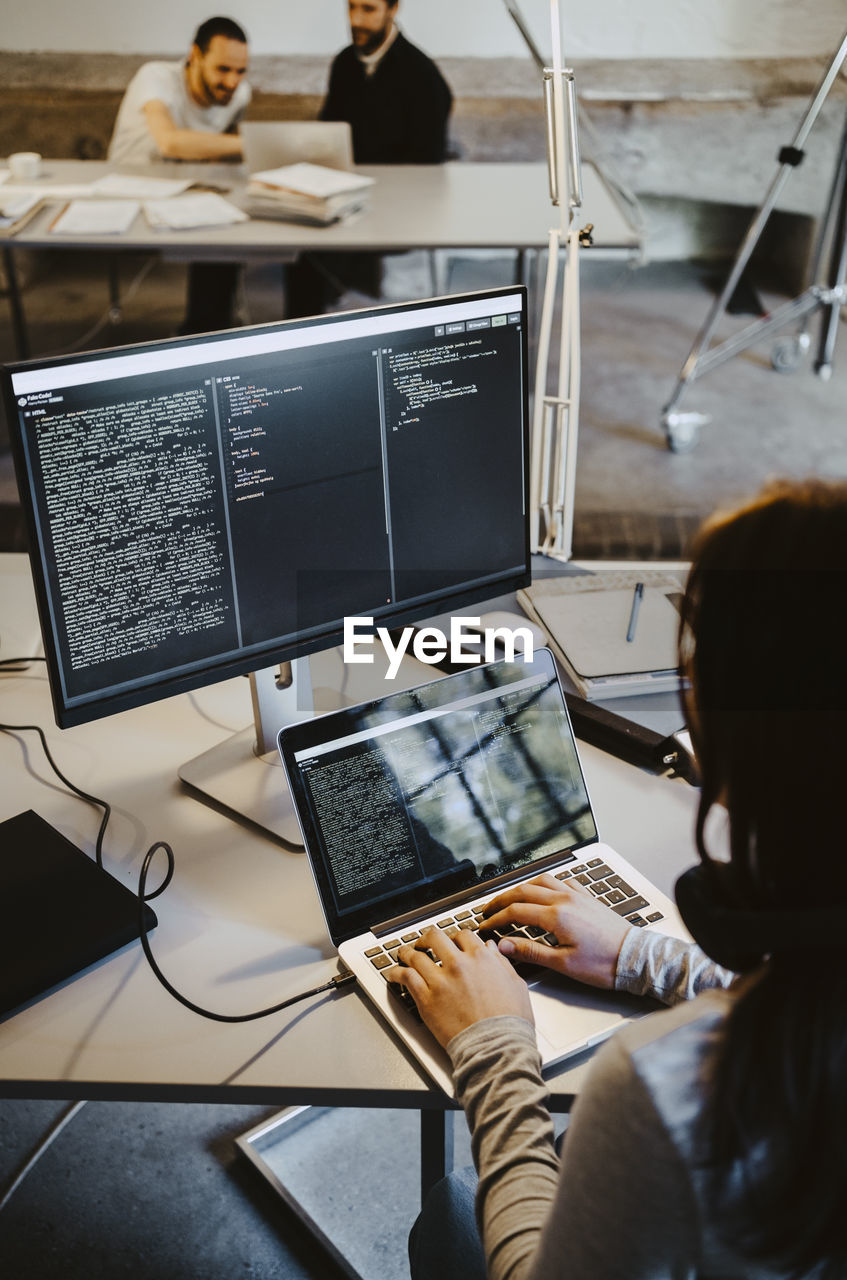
629 1201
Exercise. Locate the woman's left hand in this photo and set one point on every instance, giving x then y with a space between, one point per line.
472 982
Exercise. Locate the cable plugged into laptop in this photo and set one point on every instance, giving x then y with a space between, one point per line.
340 980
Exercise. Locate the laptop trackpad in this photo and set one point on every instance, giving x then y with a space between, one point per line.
569 1015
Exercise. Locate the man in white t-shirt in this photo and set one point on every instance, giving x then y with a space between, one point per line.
189 110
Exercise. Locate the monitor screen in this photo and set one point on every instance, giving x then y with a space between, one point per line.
207 506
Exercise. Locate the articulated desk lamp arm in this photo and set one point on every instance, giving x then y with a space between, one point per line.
555 417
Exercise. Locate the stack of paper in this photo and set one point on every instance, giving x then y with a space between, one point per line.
197 209
308 193
16 209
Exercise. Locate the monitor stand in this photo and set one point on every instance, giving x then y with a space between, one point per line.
244 773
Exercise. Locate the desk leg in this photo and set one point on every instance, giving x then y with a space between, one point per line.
436 1148
15 304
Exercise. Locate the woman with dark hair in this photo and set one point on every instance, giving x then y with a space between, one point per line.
711 1138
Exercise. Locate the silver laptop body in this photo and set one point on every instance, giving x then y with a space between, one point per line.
418 807
269 144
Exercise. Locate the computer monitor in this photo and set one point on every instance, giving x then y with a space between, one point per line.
208 506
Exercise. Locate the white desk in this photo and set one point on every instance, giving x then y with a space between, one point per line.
455 205
239 927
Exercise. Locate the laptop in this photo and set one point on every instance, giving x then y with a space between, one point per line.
269 144
419 806
63 912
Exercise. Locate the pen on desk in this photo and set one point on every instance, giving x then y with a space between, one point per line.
633 616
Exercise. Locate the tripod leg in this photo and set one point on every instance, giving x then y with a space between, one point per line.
790 157
837 271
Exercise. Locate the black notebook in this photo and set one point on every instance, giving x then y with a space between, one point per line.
60 911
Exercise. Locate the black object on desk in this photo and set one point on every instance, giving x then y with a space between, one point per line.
60 911
629 740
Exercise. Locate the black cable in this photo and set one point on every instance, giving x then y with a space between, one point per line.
334 983
102 804
144 898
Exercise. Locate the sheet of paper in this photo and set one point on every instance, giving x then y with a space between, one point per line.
311 179
96 217
132 187
197 209
51 191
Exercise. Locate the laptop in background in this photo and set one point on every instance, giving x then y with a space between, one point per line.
270 144
417 807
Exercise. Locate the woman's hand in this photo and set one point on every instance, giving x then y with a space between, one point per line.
588 932
472 982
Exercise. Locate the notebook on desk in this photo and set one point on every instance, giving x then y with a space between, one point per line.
615 632
418 807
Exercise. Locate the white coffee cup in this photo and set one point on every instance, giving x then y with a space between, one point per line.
24 166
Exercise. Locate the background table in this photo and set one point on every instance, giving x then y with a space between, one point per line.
438 207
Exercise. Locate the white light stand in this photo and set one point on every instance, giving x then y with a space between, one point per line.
555 417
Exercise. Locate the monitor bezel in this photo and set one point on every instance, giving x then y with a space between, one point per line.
212 672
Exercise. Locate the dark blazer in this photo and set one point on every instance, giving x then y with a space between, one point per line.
399 113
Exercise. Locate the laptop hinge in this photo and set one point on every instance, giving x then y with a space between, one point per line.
483 889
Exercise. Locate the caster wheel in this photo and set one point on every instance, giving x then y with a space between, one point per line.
682 430
681 437
786 355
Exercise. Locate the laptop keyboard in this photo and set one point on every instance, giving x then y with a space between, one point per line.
595 874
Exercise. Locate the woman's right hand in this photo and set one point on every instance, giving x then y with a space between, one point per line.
588 932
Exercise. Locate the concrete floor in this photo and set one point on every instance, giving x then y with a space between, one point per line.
159 1190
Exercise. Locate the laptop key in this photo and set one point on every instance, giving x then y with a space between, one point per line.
563 875
401 994
632 904
595 862
637 920
381 961
410 937
617 883
442 924
613 896
373 951
599 871
654 916
582 879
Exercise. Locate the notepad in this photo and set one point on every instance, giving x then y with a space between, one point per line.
587 618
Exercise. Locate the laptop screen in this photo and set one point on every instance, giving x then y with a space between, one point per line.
437 791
